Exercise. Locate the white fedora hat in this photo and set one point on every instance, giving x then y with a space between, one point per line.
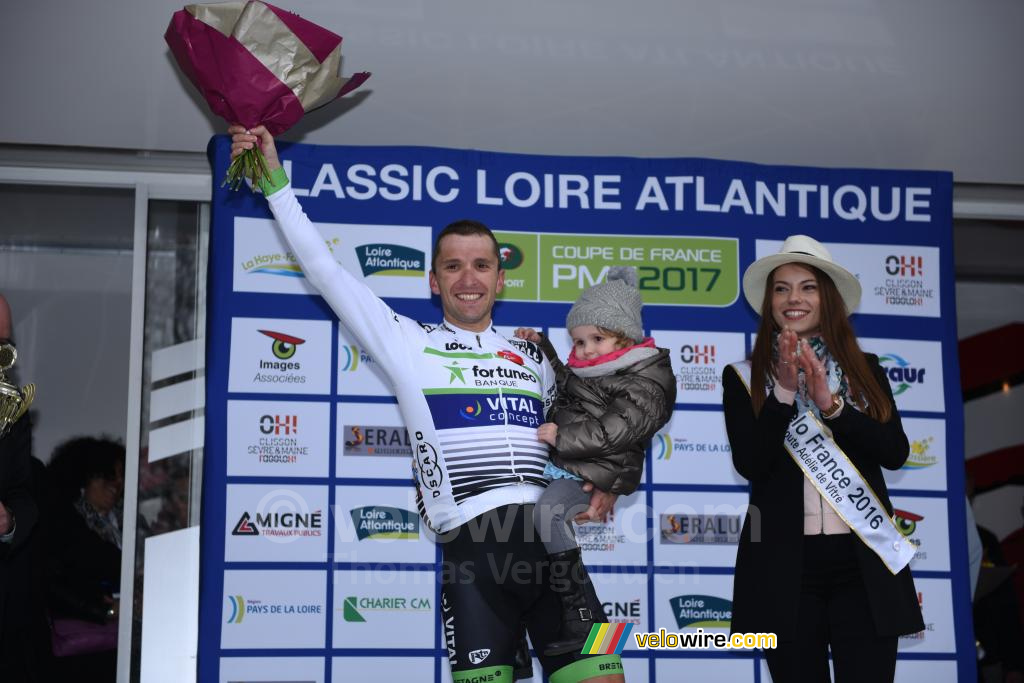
800 249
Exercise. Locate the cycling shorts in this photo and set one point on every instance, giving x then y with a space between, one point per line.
494 577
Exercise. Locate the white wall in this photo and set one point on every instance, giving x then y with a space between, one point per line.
925 84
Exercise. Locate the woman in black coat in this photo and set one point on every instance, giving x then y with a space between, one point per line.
803 571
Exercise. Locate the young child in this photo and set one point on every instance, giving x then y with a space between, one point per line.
616 393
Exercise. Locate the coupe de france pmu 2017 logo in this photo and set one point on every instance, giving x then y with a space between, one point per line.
704 611
391 259
378 521
902 375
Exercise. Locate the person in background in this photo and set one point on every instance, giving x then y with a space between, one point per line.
471 477
616 393
802 572
84 551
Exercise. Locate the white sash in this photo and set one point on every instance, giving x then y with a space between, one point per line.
835 477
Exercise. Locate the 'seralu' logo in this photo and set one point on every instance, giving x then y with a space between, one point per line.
701 529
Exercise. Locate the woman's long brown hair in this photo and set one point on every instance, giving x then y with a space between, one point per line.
839 339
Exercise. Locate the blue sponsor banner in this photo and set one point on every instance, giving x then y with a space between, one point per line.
454 411
690 227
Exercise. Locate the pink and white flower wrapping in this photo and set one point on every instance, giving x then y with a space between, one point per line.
258 64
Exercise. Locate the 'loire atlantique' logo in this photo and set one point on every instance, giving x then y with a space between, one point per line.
391 259
377 521
704 611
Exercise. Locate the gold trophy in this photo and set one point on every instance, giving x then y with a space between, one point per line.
13 402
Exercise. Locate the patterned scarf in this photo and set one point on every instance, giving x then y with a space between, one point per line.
837 383
107 527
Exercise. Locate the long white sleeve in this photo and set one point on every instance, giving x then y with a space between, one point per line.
360 311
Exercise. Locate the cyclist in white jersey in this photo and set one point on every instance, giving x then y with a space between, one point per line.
472 401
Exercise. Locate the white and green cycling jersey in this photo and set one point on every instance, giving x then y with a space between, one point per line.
472 401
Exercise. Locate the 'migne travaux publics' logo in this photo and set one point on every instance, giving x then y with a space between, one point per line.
280 524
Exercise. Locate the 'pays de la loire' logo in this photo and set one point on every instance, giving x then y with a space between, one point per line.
350 356
237 603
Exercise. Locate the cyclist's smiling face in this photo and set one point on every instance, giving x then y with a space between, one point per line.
467 278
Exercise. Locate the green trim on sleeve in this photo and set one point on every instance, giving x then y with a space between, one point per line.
271 184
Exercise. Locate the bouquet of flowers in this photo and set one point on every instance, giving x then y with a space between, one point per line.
257 64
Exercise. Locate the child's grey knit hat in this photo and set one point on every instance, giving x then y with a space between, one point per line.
614 305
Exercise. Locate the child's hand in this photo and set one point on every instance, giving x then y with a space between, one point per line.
528 333
547 431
